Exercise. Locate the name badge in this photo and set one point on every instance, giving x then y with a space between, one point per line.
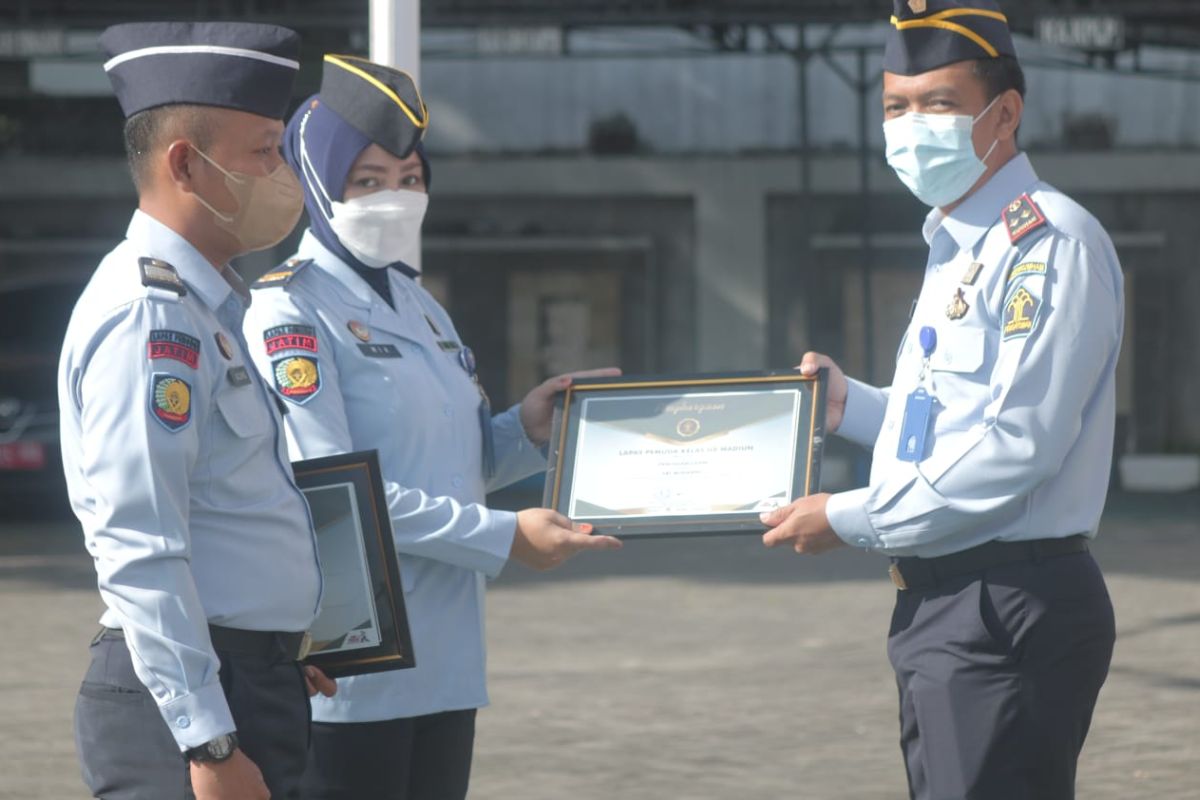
380 351
238 376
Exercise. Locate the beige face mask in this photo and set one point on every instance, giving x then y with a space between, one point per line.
268 208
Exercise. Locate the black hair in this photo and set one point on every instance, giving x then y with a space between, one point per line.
999 75
146 132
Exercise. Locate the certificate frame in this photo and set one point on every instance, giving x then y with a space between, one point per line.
564 457
361 573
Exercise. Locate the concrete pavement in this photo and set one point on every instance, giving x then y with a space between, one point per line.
706 668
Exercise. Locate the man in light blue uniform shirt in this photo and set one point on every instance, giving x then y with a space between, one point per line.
365 358
993 445
173 447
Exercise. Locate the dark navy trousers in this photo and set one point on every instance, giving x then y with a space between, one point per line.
127 751
416 758
998 673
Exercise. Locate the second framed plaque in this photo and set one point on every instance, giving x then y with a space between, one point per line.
639 457
363 624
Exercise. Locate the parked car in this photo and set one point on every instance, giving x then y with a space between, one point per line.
34 311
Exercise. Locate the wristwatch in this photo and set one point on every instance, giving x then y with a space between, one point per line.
214 750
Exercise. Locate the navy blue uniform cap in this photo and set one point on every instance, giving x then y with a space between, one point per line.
927 34
241 65
382 103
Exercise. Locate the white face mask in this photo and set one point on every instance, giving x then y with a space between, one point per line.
379 228
382 227
934 155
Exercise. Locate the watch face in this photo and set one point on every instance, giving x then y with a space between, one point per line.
222 747
217 749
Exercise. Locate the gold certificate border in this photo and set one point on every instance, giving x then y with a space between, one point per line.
685 382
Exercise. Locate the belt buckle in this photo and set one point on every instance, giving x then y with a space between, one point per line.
305 646
897 577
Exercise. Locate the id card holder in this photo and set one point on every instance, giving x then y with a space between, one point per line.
918 421
466 357
489 438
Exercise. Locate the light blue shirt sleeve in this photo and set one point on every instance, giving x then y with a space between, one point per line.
516 457
863 416
467 535
1039 386
138 531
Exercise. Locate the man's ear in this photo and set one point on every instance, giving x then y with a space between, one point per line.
180 164
1012 106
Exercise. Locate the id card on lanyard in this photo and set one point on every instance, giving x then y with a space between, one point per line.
466 357
918 407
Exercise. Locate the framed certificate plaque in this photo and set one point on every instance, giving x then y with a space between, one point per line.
363 626
639 457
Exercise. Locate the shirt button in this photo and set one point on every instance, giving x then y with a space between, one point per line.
447 410
891 424
457 481
183 722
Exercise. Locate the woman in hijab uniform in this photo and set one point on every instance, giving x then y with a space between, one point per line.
367 359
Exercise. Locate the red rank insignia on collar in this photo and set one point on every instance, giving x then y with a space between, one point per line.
1022 217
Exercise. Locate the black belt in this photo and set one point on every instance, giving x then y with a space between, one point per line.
911 572
265 644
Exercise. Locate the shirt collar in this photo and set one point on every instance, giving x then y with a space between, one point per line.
155 239
980 212
311 247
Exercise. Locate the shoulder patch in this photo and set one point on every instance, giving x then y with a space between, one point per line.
176 345
298 378
1026 268
1022 217
1021 313
161 275
290 337
170 401
281 275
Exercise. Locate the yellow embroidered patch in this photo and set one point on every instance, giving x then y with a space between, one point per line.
297 378
1021 313
1027 268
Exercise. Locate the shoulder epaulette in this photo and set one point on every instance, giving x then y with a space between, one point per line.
281 275
1022 217
161 275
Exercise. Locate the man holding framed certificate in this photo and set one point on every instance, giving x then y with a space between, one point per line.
993 446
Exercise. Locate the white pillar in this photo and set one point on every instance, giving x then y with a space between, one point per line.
395 35
731 270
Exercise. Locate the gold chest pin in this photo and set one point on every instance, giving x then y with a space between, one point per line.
958 307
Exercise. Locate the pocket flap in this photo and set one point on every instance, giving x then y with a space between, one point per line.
958 350
244 410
